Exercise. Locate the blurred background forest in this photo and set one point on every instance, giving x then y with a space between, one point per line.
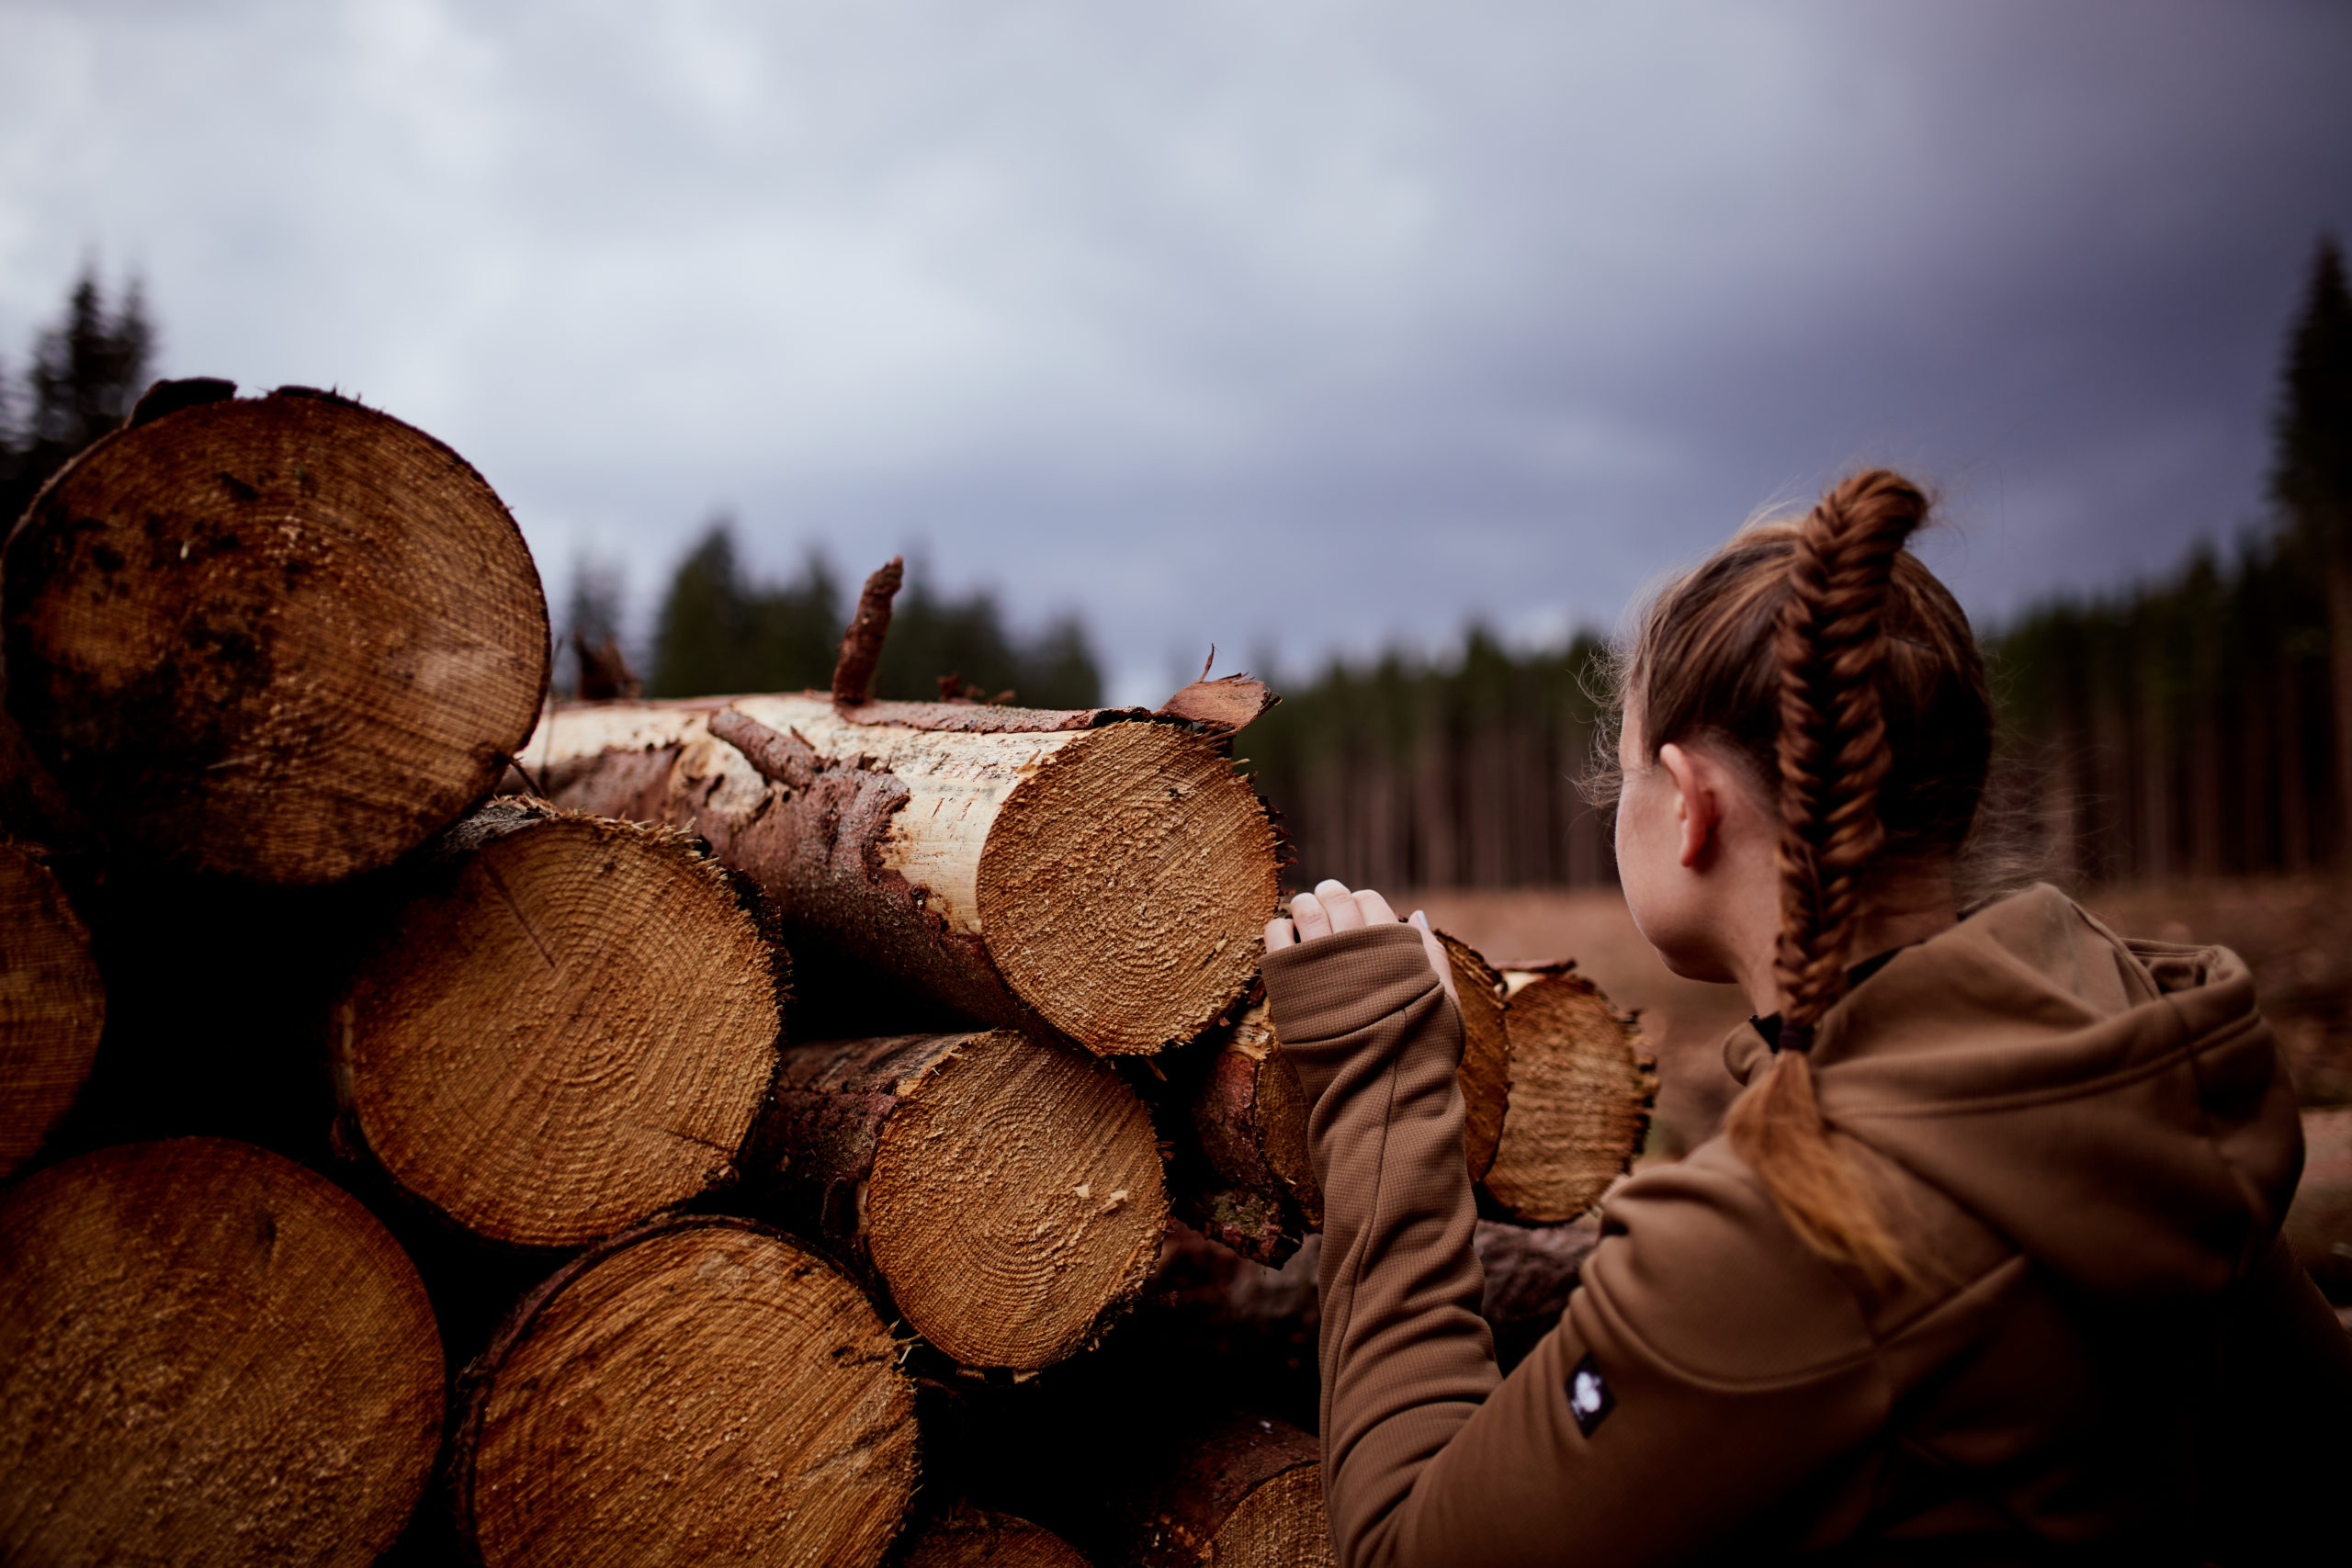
2195 726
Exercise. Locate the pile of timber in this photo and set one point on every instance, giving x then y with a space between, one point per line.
441 1125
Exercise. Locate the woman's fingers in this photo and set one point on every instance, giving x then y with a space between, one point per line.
1306 913
1279 935
1340 906
1375 908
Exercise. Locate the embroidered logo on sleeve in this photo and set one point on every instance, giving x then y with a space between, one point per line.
1590 1400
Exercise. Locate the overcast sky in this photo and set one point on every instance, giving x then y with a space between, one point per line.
1294 325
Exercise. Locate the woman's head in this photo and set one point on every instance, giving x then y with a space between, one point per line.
1822 667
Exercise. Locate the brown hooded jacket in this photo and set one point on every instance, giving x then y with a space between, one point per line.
2087 1147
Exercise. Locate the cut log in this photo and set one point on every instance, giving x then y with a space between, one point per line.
208 1355
287 638
1101 876
1581 1088
1485 1074
1242 1175
966 1536
568 1027
1246 1494
1007 1194
698 1390
52 1006
1247 1183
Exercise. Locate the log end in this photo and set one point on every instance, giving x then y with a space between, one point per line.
53 1004
1016 1204
700 1390
1124 887
1582 1083
571 1030
285 639
966 1536
208 1354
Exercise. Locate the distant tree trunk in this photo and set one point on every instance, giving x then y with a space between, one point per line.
2339 648
2294 811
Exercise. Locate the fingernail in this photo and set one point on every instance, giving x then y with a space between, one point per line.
1420 920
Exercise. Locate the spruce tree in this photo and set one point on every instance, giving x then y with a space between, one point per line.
2312 476
86 373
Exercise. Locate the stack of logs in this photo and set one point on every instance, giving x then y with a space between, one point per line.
419 1144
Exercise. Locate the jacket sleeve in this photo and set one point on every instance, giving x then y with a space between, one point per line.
1593 1450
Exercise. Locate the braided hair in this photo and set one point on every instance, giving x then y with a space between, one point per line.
1831 661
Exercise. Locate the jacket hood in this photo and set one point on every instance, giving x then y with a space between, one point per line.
2117 1109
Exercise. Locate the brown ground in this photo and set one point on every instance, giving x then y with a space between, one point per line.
2297 933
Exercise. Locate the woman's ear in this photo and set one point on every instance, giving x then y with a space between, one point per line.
1699 810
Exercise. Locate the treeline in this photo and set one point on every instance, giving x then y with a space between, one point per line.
2199 725
721 629
1412 775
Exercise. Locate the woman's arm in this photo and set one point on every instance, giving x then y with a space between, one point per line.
1618 1440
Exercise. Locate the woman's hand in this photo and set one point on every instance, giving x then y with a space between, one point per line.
1332 907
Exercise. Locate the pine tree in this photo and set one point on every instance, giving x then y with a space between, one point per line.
86 373
2312 474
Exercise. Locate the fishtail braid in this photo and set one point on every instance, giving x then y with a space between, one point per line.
1830 643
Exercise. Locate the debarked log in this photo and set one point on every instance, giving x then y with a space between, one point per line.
1006 1194
569 1025
697 1389
1102 875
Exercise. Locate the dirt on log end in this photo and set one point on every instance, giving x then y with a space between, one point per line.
208 1356
287 638
698 1391
569 1027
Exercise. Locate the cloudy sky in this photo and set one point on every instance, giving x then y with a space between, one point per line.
1299 326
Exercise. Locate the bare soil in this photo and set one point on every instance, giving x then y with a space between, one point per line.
2295 932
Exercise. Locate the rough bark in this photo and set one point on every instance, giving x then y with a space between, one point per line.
287 638
1241 1174
1070 874
570 1025
697 1389
1485 1074
208 1355
52 1006
1006 1194
1581 1088
1247 1492
966 1536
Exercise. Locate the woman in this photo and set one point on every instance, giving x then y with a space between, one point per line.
1984 1267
